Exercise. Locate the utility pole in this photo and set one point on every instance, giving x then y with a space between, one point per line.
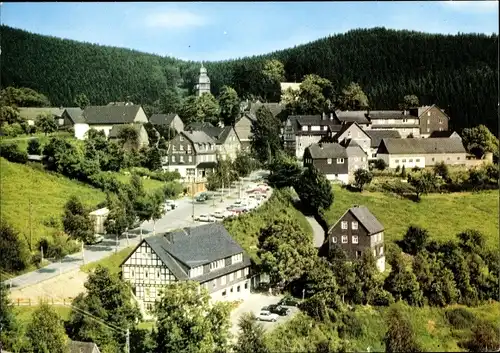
127 341
192 215
41 252
83 253
116 247
31 227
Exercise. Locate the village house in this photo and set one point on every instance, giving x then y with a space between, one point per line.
172 121
82 347
376 137
276 109
300 131
397 120
143 138
336 161
206 254
243 128
358 230
193 154
31 114
354 116
445 134
227 142
103 118
352 131
421 153
430 119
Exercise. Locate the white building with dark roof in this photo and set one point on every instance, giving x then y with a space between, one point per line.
206 254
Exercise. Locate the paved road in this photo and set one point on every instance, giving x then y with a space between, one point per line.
179 218
318 232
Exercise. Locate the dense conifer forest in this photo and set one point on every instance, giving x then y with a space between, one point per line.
457 72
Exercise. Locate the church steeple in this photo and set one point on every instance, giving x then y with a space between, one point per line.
203 85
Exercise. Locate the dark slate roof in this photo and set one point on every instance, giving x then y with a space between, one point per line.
367 219
298 121
358 116
198 137
224 134
437 134
396 126
212 131
353 149
345 127
327 150
188 248
197 126
76 115
386 114
205 165
162 119
115 130
111 114
82 347
376 136
274 108
423 145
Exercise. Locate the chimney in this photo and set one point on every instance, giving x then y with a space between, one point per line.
323 116
331 116
169 236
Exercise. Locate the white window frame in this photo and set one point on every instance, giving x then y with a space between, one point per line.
246 271
334 239
223 280
329 161
381 251
237 258
216 265
190 159
181 138
238 274
181 159
345 239
354 239
231 277
340 160
354 225
344 225
181 148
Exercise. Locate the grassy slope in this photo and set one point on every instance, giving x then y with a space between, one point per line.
48 193
444 215
23 313
149 184
111 262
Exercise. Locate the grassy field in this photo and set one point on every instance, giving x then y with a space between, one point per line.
111 262
48 193
443 215
23 313
22 140
149 184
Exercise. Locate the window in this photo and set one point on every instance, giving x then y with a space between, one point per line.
374 155
231 289
216 265
182 159
374 253
246 271
355 159
173 159
411 160
433 159
181 138
354 225
417 160
340 160
334 240
304 128
448 158
428 130
354 239
190 159
403 160
181 148
458 158
236 258
329 161
428 114
132 273
246 285
189 148
344 239
224 293
358 254
214 283
173 148
344 224
223 280
397 161
238 289
381 251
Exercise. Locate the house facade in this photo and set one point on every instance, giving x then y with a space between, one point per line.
243 129
421 152
330 159
31 114
143 137
172 121
431 118
301 131
376 137
354 116
103 118
358 230
401 121
206 254
352 131
193 154
228 143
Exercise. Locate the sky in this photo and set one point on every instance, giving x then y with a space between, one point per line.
227 30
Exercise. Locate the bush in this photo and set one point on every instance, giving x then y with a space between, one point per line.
380 164
172 189
58 247
159 175
460 318
105 182
34 146
12 153
12 130
398 188
52 222
351 326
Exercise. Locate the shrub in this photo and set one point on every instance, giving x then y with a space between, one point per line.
105 182
172 189
52 222
460 318
380 164
12 130
351 326
58 247
34 146
398 169
159 175
12 153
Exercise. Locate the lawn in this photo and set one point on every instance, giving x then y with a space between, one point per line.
149 184
48 193
111 262
22 140
443 215
23 313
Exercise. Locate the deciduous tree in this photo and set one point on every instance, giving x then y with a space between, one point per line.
284 171
402 282
46 123
409 101
15 255
10 332
82 101
362 177
423 182
129 137
198 327
314 190
207 109
353 98
400 336
34 146
484 338
479 140
76 220
116 222
251 336
265 140
45 332
229 103
414 240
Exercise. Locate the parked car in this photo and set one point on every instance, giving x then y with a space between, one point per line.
238 210
266 315
97 239
201 198
205 218
171 204
289 301
221 214
278 309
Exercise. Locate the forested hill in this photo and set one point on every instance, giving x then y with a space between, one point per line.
459 72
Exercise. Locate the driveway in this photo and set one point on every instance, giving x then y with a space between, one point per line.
254 303
179 218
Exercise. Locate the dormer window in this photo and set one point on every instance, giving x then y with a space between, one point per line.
237 258
195 272
181 138
216 265
304 128
340 160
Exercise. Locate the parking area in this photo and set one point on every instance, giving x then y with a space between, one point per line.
254 303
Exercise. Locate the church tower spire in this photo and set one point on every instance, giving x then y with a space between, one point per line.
203 85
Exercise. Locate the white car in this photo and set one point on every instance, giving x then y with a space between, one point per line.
205 218
265 315
221 214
